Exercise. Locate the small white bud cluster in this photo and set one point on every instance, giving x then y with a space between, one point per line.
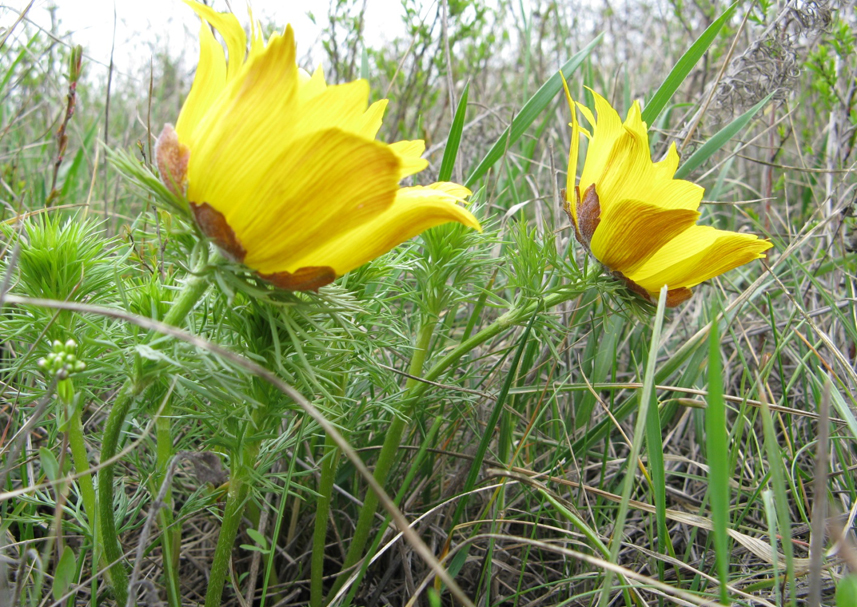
62 361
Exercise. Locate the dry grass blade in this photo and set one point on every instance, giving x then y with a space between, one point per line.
758 547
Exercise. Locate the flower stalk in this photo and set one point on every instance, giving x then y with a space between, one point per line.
81 466
236 499
243 464
322 510
389 449
170 536
117 575
414 389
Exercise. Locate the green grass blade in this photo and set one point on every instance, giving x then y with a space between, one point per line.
683 67
454 139
719 140
646 396
842 408
771 518
364 65
532 108
458 561
575 520
716 446
671 366
781 500
655 452
488 436
657 470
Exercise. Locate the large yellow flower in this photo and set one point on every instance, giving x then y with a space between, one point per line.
636 219
283 172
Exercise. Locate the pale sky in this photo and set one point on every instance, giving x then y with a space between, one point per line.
143 23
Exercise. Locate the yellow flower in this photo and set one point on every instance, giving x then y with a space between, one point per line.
636 219
283 171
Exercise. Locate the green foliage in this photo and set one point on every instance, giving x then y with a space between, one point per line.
846 591
716 444
412 66
537 365
65 259
683 67
64 573
822 62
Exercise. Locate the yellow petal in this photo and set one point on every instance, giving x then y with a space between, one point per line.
410 154
229 27
320 187
257 39
311 86
571 175
208 84
634 123
587 113
631 231
341 106
454 190
630 173
618 161
669 165
247 127
370 123
697 255
415 210
606 131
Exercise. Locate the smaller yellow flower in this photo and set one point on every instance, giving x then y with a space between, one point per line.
634 217
283 171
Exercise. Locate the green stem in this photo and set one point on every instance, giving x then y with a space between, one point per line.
170 535
414 389
193 289
236 500
409 478
117 575
232 514
87 487
322 509
387 456
81 466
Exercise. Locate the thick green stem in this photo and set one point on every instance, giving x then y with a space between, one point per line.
387 456
232 514
81 466
87 487
414 389
116 575
409 478
170 535
322 509
236 500
512 317
193 289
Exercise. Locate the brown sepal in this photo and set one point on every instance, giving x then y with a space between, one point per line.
588 214
213 224
678 296
172 158
674 296
303 279
566 206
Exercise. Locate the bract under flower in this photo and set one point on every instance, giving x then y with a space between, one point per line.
284 172
635 218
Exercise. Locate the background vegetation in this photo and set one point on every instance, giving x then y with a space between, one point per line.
574 447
